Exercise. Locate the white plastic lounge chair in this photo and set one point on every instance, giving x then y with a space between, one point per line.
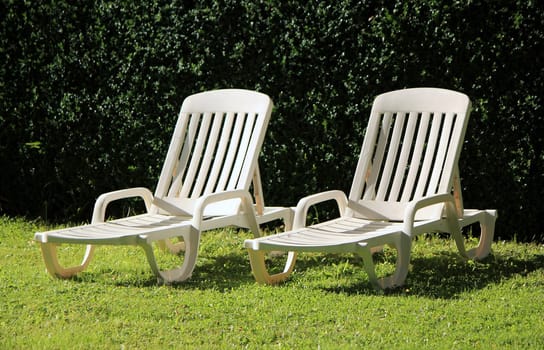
406 183
204 184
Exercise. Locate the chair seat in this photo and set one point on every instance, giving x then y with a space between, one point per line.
334 236
129 231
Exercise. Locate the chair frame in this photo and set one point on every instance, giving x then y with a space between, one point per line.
401 207
198 189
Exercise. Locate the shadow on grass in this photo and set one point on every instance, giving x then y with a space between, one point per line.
217 273
445 275
221 273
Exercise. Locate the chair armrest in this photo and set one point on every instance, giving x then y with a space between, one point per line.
245 199
104 199
301 211
415 205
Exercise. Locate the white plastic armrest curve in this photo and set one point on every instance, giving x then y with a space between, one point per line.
243 195
104 199
301 210
414 206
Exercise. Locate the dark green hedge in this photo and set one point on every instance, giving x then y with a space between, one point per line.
89 92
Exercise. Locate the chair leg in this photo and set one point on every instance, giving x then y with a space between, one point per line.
403 244
404 247
260 272
182 273
50 257
487 226
368 264
460 243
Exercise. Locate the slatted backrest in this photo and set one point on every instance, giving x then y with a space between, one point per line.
411 149
215 147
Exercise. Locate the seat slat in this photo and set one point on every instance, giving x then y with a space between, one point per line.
196 155
185 153
407 145
444 141
242 150
428 158
379 153
171 165
231 153
391 158
415 162
209 154
219 159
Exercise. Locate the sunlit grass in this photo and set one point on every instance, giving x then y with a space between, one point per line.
447 303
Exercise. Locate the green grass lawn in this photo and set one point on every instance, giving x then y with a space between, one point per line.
447 303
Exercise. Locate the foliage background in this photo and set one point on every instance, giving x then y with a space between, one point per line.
89 92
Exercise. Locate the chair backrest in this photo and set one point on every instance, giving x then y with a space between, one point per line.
215 148
411 149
